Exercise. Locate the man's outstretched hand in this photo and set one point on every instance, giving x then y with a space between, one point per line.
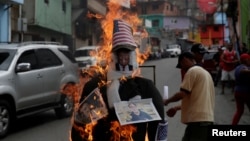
171 112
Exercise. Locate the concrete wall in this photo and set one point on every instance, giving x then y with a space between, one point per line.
4 23
49 15
176 23
52 15
5 18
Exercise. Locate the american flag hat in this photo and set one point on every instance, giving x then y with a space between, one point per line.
123 36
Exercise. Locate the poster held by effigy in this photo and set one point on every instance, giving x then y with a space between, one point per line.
91 109
165 94
136 111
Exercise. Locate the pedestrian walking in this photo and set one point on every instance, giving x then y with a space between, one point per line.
217 62
197 97
242 87
198 51
229 61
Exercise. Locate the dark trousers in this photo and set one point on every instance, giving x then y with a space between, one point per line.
241 99
197 131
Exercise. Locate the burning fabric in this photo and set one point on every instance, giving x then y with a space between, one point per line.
121 84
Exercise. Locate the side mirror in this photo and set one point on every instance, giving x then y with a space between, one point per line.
22 67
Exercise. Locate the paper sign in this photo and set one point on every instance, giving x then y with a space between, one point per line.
165 94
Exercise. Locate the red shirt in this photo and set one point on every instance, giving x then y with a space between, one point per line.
229 56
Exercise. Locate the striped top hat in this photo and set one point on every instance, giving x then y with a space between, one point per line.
122 36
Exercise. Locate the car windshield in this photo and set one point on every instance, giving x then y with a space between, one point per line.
68 55
209 56
6 57
172 46
82 53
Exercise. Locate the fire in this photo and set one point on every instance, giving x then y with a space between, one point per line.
91 15
141 57
86 131
121 133
123 78
74 90
115 11
118 12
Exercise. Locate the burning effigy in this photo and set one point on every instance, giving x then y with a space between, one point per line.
119 80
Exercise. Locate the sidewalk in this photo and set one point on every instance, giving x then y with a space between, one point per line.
224 111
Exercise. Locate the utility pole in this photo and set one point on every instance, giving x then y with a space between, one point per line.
222 21
21 24
232 12
235 19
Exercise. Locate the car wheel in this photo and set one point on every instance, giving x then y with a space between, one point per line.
66 107
6 118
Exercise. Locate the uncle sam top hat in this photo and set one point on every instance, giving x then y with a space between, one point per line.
123 36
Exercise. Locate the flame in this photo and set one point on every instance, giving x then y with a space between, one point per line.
141 57
123 78
86 131
91 15
121 133
115 11
103 56
74 90
136 72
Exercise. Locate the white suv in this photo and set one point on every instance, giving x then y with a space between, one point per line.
31 77
174 50
85 56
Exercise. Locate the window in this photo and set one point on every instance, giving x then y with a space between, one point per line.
171 7
167 7
68 55
3 56
155 23
53 39
4 60
155 6
204 29
173 21
64 5
216 28
47 58
29 57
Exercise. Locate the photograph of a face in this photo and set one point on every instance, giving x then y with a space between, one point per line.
136 111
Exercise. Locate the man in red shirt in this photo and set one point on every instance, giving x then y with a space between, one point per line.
229 61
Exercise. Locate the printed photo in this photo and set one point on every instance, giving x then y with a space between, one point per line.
129 112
